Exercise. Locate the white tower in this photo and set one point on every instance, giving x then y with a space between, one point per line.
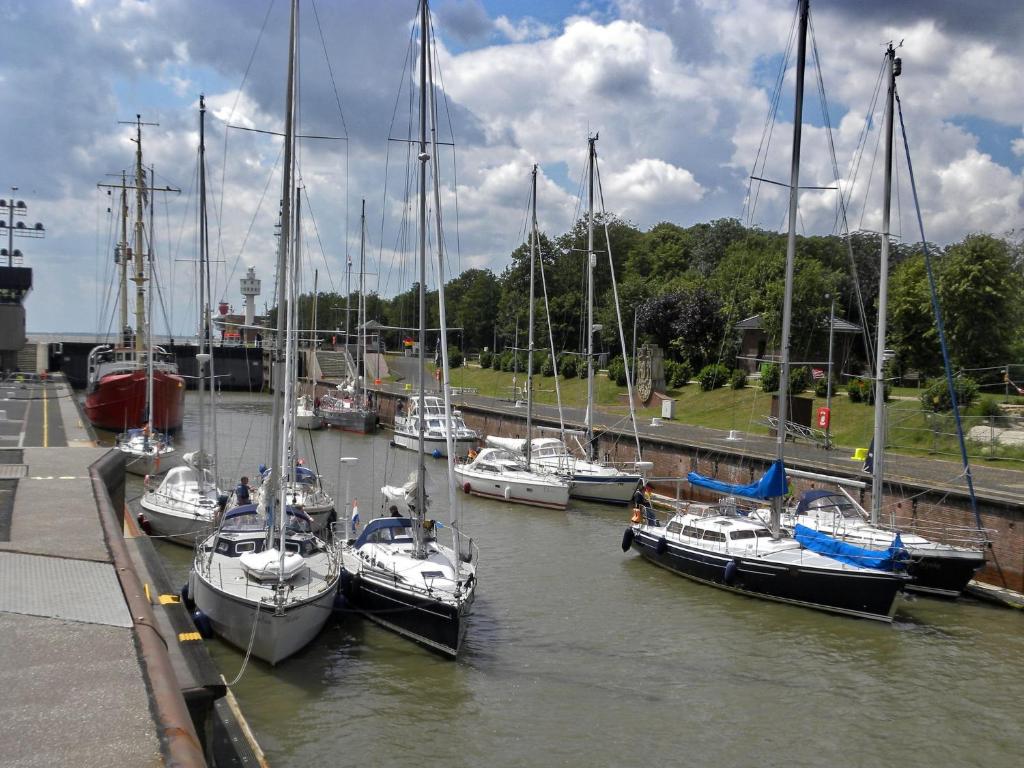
250 290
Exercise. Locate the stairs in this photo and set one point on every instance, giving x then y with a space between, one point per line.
335 366
27 358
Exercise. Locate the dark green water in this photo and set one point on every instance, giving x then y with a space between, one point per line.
580 655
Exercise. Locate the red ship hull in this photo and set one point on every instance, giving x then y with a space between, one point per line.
119 401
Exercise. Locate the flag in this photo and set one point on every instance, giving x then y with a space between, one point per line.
817 373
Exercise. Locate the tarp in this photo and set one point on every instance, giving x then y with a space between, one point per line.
892 560
771 484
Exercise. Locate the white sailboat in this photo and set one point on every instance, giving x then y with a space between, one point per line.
306 416
496 472
264 580
184 505
398 573
437 430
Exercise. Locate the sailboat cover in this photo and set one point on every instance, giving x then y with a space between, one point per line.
771 484
893 559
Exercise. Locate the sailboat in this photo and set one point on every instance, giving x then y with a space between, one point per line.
134 384
349 407
591 479
500 473
264 580
720 546
184 505
398 573
935 568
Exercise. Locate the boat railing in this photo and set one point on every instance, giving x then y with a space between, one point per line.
968 537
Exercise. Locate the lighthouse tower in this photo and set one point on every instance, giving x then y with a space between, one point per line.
250 287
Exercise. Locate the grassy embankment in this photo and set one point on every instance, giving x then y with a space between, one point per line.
910 429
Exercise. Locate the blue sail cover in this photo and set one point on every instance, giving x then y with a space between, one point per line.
893 560
771 484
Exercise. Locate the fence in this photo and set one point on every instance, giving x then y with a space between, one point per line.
987 437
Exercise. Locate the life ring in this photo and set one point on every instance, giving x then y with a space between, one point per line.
637 516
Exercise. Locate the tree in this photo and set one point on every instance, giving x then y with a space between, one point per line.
698 327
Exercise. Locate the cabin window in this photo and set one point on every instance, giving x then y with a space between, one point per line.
674 527
223 547
693 533
245 546
747 534
714 536
292 546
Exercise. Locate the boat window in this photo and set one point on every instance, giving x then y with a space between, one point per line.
744 534
223 547
693 533
245 546
674 527
292 546
714 536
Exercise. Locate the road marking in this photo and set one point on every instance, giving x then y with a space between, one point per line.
46 420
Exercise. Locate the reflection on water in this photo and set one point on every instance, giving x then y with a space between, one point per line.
580 655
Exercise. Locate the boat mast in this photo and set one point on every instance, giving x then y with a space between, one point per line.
316 299
529 333
360 320
424 157
787 305
283 278
125 255
140 264
204 357
149 314
591 262
878 458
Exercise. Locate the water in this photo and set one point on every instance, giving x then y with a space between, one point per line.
580 655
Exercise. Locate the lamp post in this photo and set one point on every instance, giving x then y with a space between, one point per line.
828 383
344 461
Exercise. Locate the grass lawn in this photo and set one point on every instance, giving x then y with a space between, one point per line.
910 429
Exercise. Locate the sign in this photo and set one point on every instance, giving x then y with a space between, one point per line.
824 418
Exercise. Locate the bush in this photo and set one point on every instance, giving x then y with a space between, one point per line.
738 380
799 379
617 371
677 375
769 377
455 357
821 386
485 359
936 396
547 368
567 367
712 376
858 390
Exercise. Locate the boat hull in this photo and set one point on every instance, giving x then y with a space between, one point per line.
151 464
277 636
514 492
437 625
864 594
942 575
118 401
304 421
435 446
180 523
351 420
606 490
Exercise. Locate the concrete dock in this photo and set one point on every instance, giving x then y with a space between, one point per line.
97 669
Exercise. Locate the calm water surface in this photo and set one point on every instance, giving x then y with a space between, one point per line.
580 655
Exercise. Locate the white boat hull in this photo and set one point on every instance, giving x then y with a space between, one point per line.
177 521
150 464
434 445
617 490
308 421
513 491
277 635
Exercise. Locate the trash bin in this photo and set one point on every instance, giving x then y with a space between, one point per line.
668 409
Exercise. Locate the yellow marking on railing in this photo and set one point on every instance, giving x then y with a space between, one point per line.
187 636
169 599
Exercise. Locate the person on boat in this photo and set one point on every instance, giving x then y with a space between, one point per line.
401 408
242 491
393 511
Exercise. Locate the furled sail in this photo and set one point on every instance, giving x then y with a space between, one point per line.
771 484
893 559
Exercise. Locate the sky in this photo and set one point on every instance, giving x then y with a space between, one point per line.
678 91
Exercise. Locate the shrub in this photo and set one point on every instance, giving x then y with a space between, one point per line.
567 367
936 396
857 390
799 379
821 386
769 377
485 359
547 368
617 371
712 376
455 357
677 375
738 380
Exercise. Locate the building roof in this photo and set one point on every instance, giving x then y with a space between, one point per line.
755 323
